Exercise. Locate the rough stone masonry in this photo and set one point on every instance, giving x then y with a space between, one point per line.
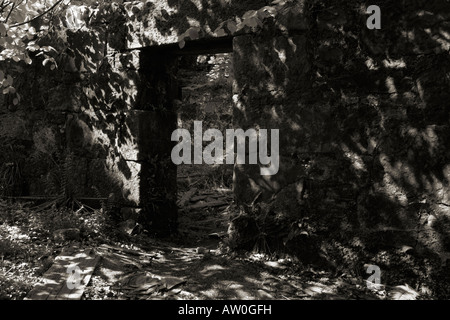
363 118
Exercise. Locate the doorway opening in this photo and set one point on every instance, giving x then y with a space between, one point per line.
205 193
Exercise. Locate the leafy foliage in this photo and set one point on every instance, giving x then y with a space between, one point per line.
10 176
11 163
58 180
23 24
252 20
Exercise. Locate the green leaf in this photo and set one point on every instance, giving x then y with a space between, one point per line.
33 47
250 14
240 26
9 80
263 13
193 33
182 43
48 49
270 10
231 25
3 29
252 22
279 2
220 33
15 101
182 37
20 15
32 31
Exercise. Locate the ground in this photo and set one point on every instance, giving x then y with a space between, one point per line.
195 264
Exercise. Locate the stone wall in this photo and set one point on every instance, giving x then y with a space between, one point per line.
364 133
89 125
100 123
363 118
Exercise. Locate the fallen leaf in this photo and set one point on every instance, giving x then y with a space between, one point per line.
404 293
171 282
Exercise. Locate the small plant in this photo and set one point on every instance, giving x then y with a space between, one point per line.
11 180
61 188
58 181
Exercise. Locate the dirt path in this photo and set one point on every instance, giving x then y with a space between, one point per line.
194 267
166 272
190 266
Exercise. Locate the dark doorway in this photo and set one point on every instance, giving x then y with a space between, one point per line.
182 86
204 190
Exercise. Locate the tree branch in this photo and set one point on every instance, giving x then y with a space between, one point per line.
4 5
38 16
10 11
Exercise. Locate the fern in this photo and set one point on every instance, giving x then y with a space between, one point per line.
11 180
59 180
51 183
10 177
67 188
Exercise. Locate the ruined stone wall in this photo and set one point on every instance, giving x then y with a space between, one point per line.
99 124
76 108
363 118
364 133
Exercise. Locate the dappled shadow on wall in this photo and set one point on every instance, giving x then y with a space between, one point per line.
364 129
